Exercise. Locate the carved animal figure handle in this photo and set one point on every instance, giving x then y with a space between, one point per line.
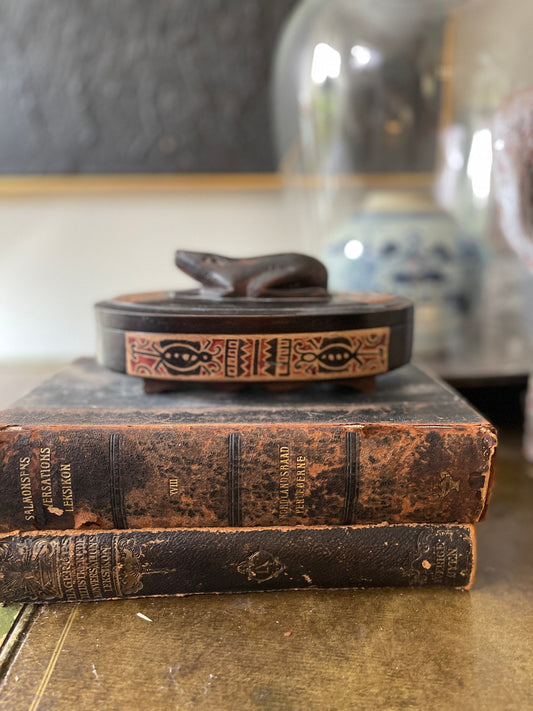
513 172
273 275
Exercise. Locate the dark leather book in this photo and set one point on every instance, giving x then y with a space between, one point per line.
90 448
95 565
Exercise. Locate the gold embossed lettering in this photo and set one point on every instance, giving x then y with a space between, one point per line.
105 567
25 489
173 486
81 567
94 582
45 470
440 562
93 563
284 504
299 498
451 563
66 564
66 487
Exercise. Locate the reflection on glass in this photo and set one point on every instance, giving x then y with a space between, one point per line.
326 63
479 165
383 114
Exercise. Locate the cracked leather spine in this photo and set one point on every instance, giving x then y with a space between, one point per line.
262 474
89 448
94 565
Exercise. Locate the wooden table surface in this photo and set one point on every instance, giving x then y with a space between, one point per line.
349 649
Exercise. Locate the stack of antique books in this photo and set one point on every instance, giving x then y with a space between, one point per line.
110 492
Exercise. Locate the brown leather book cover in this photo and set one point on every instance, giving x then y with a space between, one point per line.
90 448
95 565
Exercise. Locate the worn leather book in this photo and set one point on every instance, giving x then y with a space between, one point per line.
89 565
89 448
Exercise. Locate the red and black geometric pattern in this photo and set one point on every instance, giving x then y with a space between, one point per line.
258 357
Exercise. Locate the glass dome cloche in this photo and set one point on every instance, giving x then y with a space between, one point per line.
383 113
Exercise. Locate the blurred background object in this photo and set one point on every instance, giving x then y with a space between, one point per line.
130 129
133 87
383 114
127 129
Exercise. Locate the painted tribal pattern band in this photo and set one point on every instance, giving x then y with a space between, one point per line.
258 357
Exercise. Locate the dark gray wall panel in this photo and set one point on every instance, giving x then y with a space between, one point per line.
120 86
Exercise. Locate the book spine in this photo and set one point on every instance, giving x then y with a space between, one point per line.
145 476
83 565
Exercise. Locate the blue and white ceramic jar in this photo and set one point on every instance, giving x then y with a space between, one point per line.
401 242
383 121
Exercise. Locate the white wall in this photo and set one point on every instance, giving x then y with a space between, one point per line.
61 254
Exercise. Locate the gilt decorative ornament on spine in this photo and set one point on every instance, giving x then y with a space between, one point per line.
266 319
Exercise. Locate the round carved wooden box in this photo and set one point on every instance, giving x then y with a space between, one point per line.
266 320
